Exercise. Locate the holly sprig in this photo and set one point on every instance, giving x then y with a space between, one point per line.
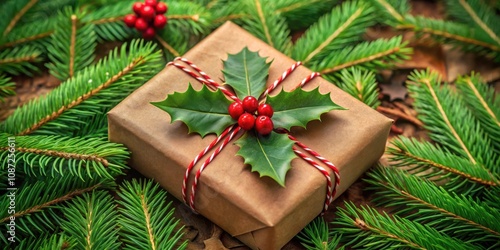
264 146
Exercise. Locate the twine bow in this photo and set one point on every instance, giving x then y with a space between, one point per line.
230 132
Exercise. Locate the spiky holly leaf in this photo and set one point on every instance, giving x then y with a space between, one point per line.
298 107
246 72
269 155
203 111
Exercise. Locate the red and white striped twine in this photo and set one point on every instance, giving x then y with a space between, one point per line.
233 130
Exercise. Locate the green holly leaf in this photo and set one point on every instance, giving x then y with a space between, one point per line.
203 111
246 72
298 107
269 155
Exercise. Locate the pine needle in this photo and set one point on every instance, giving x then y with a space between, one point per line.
20 60
147 220
316 235
35 33
360 84
188 17
108 21
7 88
301 14
12 11
45 241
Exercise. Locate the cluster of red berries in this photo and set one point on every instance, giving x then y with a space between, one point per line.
148 17
245 113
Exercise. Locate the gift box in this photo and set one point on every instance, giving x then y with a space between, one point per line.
256 210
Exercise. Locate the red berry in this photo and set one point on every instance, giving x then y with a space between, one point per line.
265 109
264 125
246 121
235 110
161 8
250 104
151 3
149 33
160 21
141 24
137 7
130 20
147 12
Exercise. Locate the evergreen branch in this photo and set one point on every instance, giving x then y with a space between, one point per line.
91 221
45 241
7 88
18 16
492 198
459 172
19 60
343 26
93 90
71 35
147 220
316 235
167 46
223 11
301 14
29 32
399 113
108 21
448 120
380 53
460 216
481 100
59 155
361 85
188 17
366 228
394 10
266 25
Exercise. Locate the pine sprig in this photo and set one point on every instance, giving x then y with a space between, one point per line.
57 156
91 221
43 10
343 26
97 87
265 24
72 45
20 60
108 20
38 203
460 174
147 220
366 228
373 55
302 13
44 241
7 88
173 46
12 11
188 17
316 235
449 121
30 32
486 108
459 216
360 84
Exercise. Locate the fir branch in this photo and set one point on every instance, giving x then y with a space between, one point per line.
91 221
108 21
30 32
392 11
224 10
45 241
481 100
365 228
18 13
343 26
188 17
478 13
38 203
449 121
56 156
267 25
147 220
7 88
460 216
72 45
316 235
20 60
302 13
378 54
460 174
92 90
361 85
43 10
492 198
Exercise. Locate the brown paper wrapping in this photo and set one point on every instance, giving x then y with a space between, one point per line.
256 210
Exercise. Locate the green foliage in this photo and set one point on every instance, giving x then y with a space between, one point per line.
19 60
298 107
360 84
43 10
31 33
246 72
184 16
72 45
300 14
7 88
173 46
203 111
57 156
108 20
366 228
316 235
264 23
91 221
147 220
45 241
10 10
92 91
269 155
334 31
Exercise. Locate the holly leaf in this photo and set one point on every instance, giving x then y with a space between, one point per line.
298 107
203 111
246 72
269 155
